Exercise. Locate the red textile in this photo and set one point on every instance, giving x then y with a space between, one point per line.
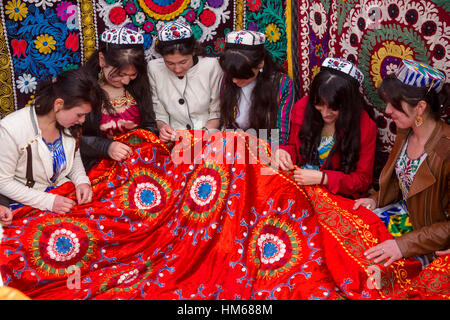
216 228
355 183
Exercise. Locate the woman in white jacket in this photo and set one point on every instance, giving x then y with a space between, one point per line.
39 144
185 84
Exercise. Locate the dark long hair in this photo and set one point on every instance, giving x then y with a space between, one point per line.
394 91
238 63
186 47
341 93
118 58
74 87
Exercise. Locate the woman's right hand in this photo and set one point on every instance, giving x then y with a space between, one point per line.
282 159
365 202
167 133
119 151
62 204
5 216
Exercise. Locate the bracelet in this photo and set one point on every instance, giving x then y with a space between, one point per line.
205 128
323 178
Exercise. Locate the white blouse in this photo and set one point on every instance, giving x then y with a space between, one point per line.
244 104
188 102
18 130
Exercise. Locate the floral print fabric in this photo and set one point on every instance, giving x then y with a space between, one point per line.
406 168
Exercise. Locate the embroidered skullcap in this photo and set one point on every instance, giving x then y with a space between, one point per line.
175 32
344 66
419 74
122 37
244 39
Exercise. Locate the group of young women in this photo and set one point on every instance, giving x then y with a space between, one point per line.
327 138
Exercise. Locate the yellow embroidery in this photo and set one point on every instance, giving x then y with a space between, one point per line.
239 14
6 95
88 28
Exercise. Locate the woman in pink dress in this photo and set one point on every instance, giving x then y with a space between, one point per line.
121 69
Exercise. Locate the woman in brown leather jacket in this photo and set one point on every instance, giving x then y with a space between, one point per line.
417 172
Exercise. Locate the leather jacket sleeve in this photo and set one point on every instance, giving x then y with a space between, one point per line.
425 240
92 146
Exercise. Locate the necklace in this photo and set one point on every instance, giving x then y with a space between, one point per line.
122 102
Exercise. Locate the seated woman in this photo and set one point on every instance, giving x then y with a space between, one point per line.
416 175
40 144
121 70
185 85
256 93
332 136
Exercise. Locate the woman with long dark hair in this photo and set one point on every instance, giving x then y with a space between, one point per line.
333 138
414 183
256 93
40 144
185 83
121 69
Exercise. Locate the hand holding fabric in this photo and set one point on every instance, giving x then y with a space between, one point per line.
84 193
167 133
387 250
365 202
307 177
119 151
5 215
62 204
442 252
282 159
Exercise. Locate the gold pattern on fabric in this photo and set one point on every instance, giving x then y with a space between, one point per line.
340 223
239 14
6 88
88 29
289 38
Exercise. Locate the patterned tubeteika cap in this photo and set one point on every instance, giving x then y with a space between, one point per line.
175 32
122 37
419 74
344 66
244 39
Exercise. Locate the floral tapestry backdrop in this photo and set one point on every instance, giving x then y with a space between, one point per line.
41 38
376 35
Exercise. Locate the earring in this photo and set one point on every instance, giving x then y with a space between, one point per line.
261 70
101 76
419 121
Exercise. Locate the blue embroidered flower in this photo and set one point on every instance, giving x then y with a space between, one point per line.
270 249
147 197
204 190
41 59
63 245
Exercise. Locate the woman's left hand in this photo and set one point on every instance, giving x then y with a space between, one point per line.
84 193
442 252
306 177
388 250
